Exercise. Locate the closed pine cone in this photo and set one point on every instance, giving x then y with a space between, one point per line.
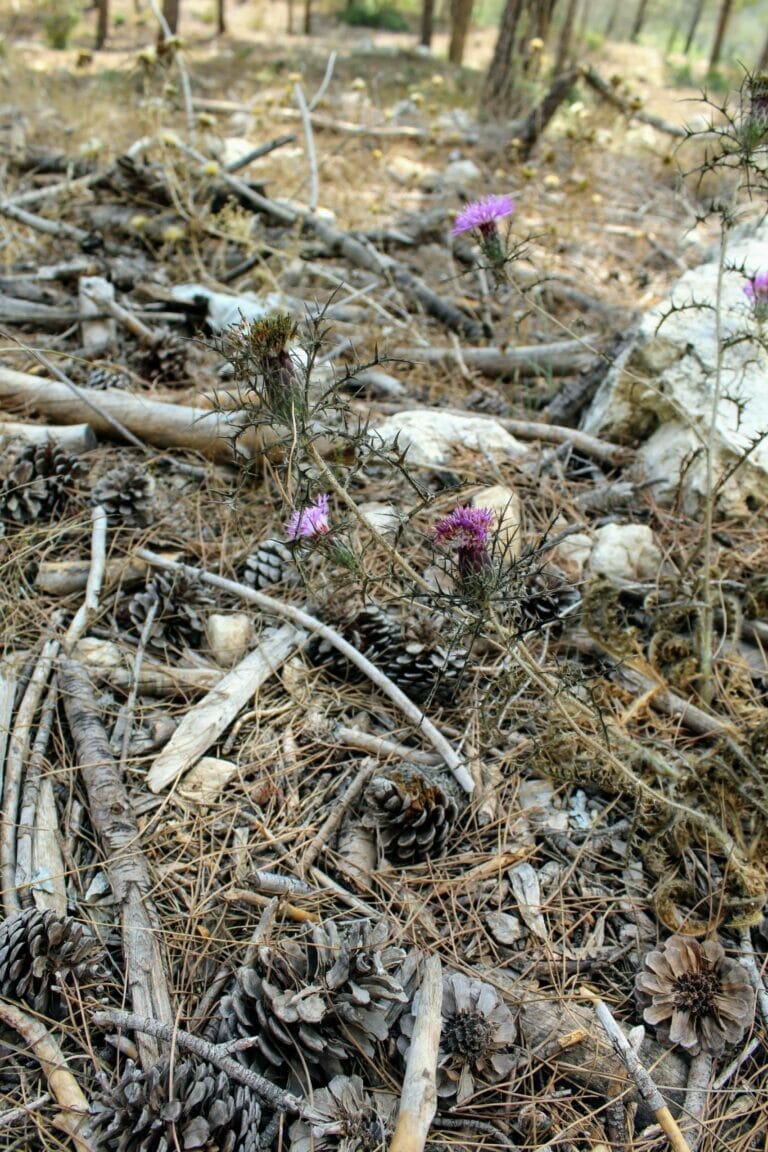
271 563
414 810
202 1108
126 493
35 947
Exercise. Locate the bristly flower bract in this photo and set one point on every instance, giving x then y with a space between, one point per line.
263 362
468 529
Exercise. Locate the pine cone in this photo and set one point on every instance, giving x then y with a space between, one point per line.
414 659
125 493
102 379
414 809
166 363
204 1109
315 1000
271 563
40 482
181 603
346 1118
547 598
35 948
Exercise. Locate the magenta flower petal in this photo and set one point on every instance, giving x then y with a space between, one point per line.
310 521
756 288
483 212
465 527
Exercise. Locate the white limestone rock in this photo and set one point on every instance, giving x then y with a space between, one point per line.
660 392
434 439
625 552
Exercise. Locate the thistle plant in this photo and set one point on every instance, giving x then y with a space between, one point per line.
756 291
481 217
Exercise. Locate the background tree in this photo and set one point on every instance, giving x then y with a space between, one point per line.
762 64
695 18
637 24
427 23
171 13
102 22
461 16
221 17
723 17
565 39
502 90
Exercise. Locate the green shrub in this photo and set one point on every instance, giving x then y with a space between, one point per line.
369 14
59 17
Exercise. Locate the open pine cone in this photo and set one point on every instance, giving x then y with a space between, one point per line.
180 604
39 482
202 1108
125 493
36 947
313 1001
413 808
408 652
345 1118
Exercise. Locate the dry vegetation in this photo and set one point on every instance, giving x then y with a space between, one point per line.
616 801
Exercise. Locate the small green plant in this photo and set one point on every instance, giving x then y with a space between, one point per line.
369 14
59 19
681 75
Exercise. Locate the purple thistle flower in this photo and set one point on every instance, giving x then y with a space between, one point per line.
310 521
756 289
466 527
483 214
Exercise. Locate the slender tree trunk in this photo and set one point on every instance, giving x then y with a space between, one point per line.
171 13
498 78
762 64
723 17
461 15
610 26
102 22
427 22
307 17
544 20
637 27
221 16
566 37
695 18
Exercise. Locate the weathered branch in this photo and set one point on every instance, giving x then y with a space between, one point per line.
418 1100
115 825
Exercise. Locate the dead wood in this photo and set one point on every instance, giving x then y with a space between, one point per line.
74 437
74 1117
115 825
527 132
418 1100
159 423
559 359
609 93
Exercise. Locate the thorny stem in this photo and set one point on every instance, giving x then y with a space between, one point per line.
347 500
706 631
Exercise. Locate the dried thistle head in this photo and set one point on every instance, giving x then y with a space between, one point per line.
263 362
694 995
478 1031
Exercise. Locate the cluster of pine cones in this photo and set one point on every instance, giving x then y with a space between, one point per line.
38 482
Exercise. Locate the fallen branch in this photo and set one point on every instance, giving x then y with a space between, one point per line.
72 437
609 93
90 604
211 1053
164 425
115 825
204 723
74 1119
561 358
642 1078
304 620
418 1100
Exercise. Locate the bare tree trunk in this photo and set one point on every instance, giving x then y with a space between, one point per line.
566 37
637 27
695 18
307 17
427 22
762 63
461 15
220 12
102 22
171 13
499 81
612 19
544 20
723 17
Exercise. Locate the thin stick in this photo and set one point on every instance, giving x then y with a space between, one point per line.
338 812
30 797
138 660
309 143
324 82
90 604
274 1096
418 1100
747 960
42 224
186 87
312 624
14 765
642 1078
696 1097
63 1085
